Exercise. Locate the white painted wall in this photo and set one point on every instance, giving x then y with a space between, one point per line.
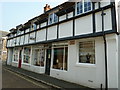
17 40
21 40
43 24
107 21
119 62
70 14
41 35
63 17
33 36
104 3
82 73
66 29
27 30
26 39
10 54
112 61
22 32
52 33
96 5
83 25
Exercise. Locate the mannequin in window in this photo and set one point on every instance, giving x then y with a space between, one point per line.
88 56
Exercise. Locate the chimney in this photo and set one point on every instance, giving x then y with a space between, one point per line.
47 7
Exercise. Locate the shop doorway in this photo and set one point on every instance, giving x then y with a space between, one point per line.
48 61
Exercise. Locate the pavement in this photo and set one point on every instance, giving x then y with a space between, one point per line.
46 79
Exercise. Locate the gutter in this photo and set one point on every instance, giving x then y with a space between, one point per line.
105 50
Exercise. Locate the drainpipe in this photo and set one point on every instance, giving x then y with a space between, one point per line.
105 50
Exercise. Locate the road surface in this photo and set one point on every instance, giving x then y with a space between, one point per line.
13 80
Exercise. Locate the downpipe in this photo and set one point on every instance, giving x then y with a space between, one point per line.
105 50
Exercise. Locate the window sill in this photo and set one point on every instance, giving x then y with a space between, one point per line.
59 70
85 65
26 64
15 61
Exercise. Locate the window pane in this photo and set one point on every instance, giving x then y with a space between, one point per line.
27 52
87 5
87 52
58 58
79 8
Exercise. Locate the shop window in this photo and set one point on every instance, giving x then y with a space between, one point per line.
83 6
38 57
60 58
53 18
15 56
87 52
27 53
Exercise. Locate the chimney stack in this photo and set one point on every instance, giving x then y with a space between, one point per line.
47 7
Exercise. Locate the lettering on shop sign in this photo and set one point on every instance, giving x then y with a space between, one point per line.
72 42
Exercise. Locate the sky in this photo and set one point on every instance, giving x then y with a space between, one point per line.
16 12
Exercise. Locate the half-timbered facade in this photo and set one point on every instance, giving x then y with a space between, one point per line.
75 41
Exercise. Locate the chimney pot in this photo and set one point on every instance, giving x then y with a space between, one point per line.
47 7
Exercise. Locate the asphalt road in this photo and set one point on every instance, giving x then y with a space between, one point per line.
13 80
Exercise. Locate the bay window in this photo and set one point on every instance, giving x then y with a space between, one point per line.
83 6
60 57
27 53
87 52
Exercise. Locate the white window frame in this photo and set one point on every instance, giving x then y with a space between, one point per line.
33 49
83 11
83 64
25 54
54 17
60 45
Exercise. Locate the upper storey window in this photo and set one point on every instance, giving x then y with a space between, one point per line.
83 6
33 27
53 18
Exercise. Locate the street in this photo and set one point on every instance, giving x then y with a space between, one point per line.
13 80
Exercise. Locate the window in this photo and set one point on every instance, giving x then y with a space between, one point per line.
27 52
53 18
83 6
15 56
33 27
60 57
87 52
38 57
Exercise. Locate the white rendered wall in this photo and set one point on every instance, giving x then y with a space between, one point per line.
119 62
104 3
63 17
10 54
107 21
21 40
87 74
70 14
43 24
52 33
17 40
112 61
41 35
26 39
66 29
83 25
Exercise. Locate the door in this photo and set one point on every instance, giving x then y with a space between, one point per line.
20 59
48 61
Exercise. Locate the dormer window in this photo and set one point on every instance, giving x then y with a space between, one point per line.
33 27
83 6
53 18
